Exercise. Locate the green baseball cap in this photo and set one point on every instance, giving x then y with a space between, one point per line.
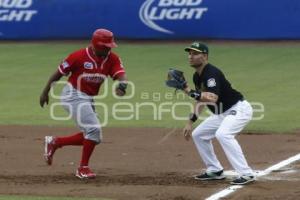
197 46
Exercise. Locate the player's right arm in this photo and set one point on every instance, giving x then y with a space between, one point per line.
44 98
67 66
198 107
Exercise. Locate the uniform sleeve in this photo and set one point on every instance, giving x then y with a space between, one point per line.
117 69
213 83
196 82
68 64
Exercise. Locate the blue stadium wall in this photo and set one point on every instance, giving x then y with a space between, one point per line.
150 19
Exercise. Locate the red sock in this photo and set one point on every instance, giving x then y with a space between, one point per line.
76 139
87 150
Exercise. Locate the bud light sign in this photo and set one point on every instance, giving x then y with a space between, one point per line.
150 19
16 11
154 11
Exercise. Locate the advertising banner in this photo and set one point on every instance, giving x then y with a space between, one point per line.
150 19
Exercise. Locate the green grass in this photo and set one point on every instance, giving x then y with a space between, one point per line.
265 73
2 197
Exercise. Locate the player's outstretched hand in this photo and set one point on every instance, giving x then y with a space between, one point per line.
187 131
121 89
44 98
120 92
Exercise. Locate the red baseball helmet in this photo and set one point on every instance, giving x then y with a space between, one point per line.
103 37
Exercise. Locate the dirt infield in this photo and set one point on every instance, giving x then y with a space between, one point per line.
140 163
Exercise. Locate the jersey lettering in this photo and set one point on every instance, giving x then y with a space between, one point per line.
93 78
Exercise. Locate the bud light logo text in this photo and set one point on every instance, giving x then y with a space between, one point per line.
153 11
16 10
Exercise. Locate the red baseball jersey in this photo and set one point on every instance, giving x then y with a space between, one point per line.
88 71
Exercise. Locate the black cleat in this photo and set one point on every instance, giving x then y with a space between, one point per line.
210 176
243 180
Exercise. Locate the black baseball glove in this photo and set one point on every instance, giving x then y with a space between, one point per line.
176 79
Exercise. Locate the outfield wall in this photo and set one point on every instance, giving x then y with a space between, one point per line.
150 19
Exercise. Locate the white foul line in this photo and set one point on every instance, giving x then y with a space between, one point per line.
233 188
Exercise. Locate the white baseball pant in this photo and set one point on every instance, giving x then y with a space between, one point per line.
224 127
82 110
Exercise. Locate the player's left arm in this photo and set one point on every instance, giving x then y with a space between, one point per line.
213 89
118 73
122 86
212 84
209 96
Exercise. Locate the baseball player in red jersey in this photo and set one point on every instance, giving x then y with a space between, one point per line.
87 69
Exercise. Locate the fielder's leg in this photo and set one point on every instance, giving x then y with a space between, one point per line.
202 137
236 119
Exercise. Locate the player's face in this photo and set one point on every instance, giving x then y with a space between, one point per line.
197 59
101 51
